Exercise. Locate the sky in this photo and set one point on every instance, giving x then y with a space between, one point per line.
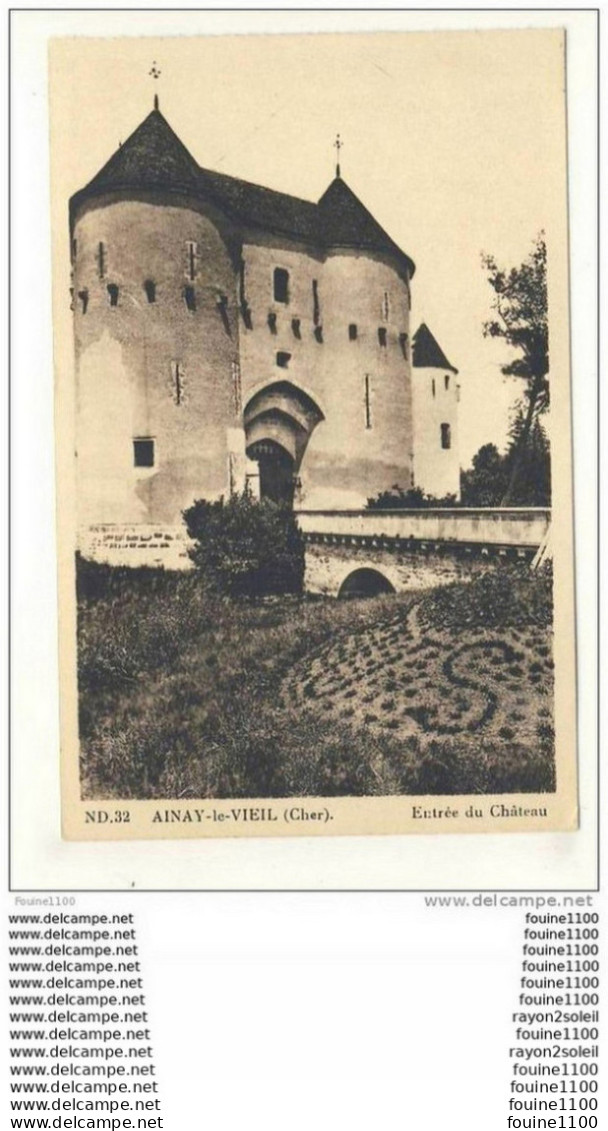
455 141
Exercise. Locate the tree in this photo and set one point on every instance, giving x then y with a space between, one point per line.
485 483
533 487
520 302
246 548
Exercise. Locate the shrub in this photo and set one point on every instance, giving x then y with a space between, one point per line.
414 498
246 548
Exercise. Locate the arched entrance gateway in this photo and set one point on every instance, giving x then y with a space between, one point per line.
279 421
277 476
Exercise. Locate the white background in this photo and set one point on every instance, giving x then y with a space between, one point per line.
295 1010
41 859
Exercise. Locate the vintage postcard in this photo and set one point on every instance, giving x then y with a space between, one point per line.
313 434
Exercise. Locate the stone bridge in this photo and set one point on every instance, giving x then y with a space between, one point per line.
365 552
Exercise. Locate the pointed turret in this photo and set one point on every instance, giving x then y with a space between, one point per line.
346 222
152 157
426 351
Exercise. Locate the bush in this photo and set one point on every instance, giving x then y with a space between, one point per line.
246 548
413 499
506 597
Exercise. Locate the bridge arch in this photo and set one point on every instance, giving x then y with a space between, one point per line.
365 581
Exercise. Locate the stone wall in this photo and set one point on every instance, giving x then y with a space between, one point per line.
136 545
508 526
328 567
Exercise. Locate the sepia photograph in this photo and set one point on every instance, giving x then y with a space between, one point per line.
313 434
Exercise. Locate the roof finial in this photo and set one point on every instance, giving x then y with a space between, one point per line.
338 146
156 73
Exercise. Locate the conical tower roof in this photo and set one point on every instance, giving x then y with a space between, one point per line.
154 158
346 222
426 351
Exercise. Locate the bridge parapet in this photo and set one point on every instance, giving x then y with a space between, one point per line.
523 527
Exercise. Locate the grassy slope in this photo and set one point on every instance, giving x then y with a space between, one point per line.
184 696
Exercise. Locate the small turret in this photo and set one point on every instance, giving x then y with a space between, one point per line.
435 397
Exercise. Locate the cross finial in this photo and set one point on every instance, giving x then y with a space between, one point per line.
338 146
155 72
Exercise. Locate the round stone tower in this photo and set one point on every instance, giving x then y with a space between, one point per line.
156 336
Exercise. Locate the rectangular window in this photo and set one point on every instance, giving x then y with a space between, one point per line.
382 335
192 255
150 289
112 290
296 328
281 285
84 300
177 382
316 309
403 344
446 381
190 298
368 401
446 436
386 309
283 359
433 386
101 260
143 452
352 332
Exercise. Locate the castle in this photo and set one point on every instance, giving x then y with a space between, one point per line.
228 334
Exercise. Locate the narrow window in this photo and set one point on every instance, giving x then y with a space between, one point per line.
316 310
318 332
177 382
382 335
352 331
272 322
222 305
295 327
245 311
190 298
368 404
113 294
143 452
192 253
101 260
150 289
446 381
281 285
385 306
74 248
433 386
283 359
236 385
403 344
446 437
84 300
